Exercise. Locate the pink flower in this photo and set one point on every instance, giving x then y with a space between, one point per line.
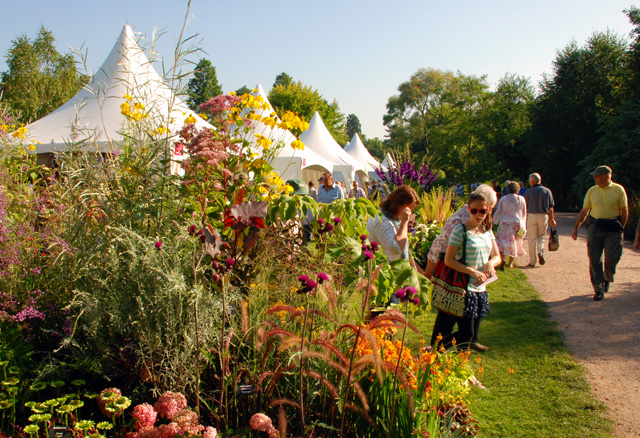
158 245
187 420
210 432
262 423
169 430
322 277
145 416
170 403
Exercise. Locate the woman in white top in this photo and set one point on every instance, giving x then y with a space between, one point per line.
390 229
512 216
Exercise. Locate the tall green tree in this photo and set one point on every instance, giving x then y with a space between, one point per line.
503 121
39 78
434 115
584 86
204 84
283 79
305 100
353 126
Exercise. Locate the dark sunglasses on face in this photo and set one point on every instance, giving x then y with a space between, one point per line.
478 210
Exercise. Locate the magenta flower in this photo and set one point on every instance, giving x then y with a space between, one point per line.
375 246
311 284
363 237
192 229
158 245
230 262
400 294
329 227
416 301
303 278
368 255
337 220
320 221
411 291
322 277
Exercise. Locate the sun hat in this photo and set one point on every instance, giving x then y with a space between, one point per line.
299 186
601 170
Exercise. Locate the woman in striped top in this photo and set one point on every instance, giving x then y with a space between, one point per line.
482 257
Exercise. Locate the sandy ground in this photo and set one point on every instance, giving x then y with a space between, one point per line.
604 336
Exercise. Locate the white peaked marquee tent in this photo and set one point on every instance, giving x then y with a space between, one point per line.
388 161
290 163
93 118
319 139
358 150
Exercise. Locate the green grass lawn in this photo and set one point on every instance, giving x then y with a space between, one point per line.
534 387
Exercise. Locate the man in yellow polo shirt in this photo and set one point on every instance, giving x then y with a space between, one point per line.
606 213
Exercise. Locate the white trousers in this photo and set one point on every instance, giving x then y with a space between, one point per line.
536 231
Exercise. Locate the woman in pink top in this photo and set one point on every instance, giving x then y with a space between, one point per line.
512 216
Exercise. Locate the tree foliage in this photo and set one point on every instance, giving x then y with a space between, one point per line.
353 126
283 79
305 101
39 78
204 84
565 119
435 114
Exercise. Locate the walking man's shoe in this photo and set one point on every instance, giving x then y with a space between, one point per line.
541 259
606 286
599 295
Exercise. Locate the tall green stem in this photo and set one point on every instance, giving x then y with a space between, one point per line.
395 374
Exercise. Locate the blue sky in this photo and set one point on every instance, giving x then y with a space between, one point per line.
354 51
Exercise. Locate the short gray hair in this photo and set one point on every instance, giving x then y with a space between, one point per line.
535 177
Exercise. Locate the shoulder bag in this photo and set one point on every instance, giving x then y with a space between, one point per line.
450 286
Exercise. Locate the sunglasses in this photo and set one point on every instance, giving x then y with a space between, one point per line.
478 210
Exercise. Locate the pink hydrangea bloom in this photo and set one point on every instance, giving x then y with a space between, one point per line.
169 403
145 416
262 423
169 430
210 432
187 420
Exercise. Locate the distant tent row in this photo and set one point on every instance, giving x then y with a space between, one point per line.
94 119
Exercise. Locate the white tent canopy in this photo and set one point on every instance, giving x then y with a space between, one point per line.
388 161
290 163
94 116
358 150
319 139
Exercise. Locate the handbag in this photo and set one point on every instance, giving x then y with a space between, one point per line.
450 286
554 240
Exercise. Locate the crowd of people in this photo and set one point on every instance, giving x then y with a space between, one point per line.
518 212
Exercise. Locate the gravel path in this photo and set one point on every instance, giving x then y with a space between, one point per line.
604 336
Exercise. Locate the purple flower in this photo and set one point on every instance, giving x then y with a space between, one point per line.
368 255
303 278
158 245
400 294
311 284
363 237
215 277
320 221
329 227
322 277
337 220
192 229
411 291
416 301
230 262
375 246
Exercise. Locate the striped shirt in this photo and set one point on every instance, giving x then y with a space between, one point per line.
478 251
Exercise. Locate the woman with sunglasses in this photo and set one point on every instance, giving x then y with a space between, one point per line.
482 257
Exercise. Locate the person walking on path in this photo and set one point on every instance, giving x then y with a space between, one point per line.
511 214
606 213
328 191
540 213
312 191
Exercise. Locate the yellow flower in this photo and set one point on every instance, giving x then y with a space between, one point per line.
511 370
20 132
127 97
297 144
138 106
190 120
263 141
287 189
269 121
32 147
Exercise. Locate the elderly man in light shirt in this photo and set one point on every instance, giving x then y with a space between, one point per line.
328 191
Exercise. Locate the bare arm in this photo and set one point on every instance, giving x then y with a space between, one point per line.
403 233
450 261
552 217
624 214
494 260
581 217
